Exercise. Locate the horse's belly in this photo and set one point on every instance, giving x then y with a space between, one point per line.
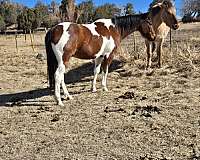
82 54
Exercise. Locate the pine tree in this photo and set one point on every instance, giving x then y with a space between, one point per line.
68 10
129 9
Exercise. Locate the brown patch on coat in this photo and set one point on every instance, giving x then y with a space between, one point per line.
102 29
82 43
56 33
115 35
71 45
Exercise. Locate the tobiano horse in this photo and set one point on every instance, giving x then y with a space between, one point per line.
98 40
163 16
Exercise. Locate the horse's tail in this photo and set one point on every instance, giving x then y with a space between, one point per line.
153 46
52 63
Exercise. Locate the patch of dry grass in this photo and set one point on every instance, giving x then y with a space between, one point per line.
142 116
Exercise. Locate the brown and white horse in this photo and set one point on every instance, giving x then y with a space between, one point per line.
98 40
163 16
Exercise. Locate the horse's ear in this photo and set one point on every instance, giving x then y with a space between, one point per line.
155 10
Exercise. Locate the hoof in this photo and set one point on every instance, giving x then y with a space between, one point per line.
67 97
61 104
70 97
105 89
94 90
149 72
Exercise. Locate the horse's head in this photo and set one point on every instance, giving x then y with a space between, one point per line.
167 12
146 29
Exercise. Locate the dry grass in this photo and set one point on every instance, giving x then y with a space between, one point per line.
143 116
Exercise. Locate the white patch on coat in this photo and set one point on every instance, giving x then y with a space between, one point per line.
108 44
107 47
107 22
91 27
63 39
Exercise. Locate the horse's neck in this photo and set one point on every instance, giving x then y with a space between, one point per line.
128 27
127 32
157 21
160 28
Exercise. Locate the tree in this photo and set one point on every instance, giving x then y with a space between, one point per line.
8 12
107 11
68 10
86 10
41 12
50 21
27 20
191 10
128 9
2 24
191 6
54 7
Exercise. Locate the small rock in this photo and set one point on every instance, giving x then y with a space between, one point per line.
127 95
41 56
55 118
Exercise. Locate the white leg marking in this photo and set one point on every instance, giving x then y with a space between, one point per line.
149 55
104 84
66 93
97 69
58 80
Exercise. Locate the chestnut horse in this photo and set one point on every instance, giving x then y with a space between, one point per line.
98 40
163 16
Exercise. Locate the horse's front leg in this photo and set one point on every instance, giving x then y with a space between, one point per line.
149 54
97 68
104 79
105 65
159 52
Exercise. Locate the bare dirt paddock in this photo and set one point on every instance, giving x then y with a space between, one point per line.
154 116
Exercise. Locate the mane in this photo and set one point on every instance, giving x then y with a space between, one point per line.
129 21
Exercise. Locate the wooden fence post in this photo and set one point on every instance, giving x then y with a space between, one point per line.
134 41
31 40
25 35
16 42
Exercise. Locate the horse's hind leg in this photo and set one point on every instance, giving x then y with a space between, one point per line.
97 69
66 93
58 80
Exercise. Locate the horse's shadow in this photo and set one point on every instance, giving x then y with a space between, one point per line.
79 74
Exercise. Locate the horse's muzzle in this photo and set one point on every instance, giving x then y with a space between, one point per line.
175 26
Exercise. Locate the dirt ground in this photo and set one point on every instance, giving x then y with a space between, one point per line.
143 116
